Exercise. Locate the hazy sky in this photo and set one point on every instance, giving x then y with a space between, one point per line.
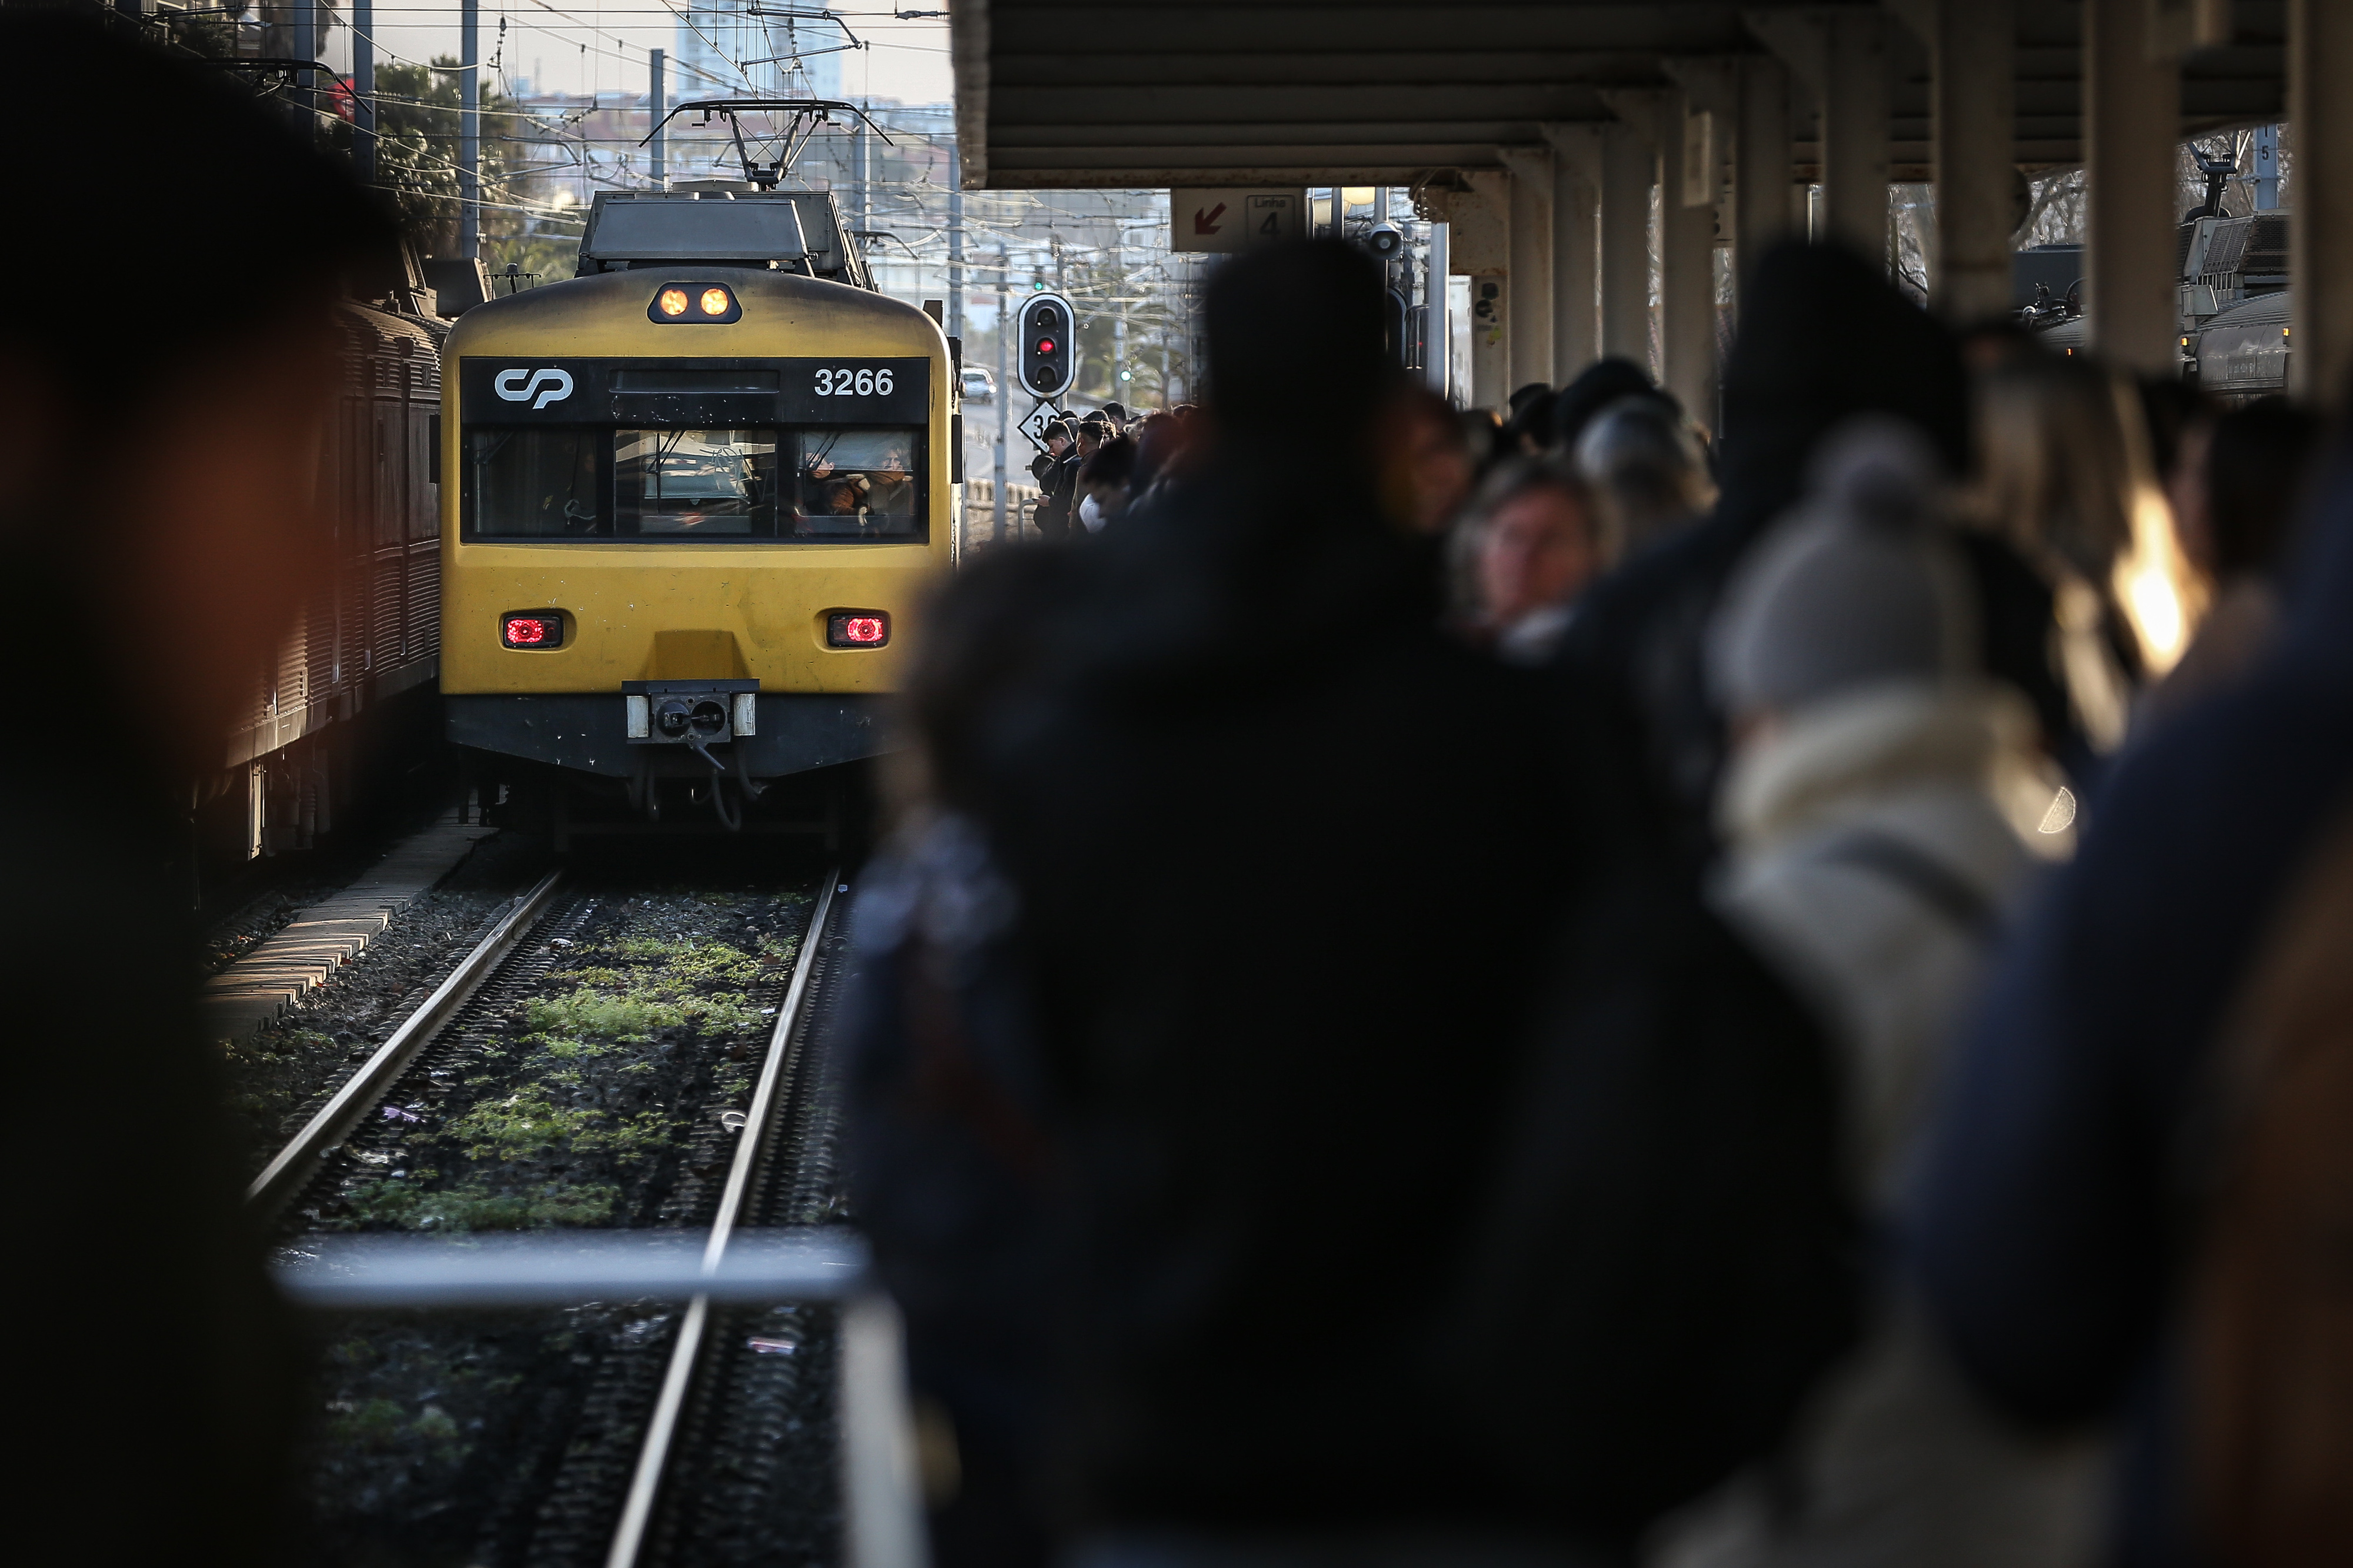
907 61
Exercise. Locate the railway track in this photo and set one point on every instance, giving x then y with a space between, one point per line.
676 1398
299 1164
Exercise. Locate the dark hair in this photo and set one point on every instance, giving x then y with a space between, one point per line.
2255 472
1599 384
1112 464
1517 477
1531 420
2170 406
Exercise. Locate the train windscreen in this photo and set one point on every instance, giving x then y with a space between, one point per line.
827 484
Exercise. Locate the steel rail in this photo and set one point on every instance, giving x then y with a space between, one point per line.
299 1160
653 1458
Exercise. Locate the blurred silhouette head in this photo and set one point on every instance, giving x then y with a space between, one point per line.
1295 343
1428 461
1824 336
1529 428
1599 385
1536 544
1648 473
2257 465
180 429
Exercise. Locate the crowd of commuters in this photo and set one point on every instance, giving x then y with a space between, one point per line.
1090 468
1590 985
1606 984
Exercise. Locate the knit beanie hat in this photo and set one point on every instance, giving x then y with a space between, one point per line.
1856 587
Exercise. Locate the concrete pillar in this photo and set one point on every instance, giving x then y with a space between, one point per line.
1437 333
1855 129
1530 333
1627 168
2320 234
2132 125
1974 99
1576 242
1688 168
1761 182
1491 353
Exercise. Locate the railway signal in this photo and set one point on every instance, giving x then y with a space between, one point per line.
1045 331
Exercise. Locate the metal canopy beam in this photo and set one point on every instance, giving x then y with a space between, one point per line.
1052 93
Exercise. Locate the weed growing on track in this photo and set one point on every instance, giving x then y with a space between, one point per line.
572 1108
592 1100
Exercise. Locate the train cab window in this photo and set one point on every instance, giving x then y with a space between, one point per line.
856 484
681 484
695 483
537 484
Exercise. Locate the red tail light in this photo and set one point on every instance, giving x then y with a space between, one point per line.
857 628
535 629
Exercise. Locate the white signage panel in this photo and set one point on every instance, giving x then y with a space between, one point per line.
1201 218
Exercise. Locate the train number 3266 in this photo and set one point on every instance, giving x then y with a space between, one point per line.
847 383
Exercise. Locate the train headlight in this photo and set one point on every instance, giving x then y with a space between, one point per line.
695 304
857 628
531 629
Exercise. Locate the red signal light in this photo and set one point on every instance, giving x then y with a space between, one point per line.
542 630
1045 345
857 628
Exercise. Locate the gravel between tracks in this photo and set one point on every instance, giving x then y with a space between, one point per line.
587 1090
288 1069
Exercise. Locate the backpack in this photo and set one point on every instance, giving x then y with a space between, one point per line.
1668 1257
2271 1288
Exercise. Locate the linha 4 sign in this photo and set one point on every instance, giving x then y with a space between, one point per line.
1229 220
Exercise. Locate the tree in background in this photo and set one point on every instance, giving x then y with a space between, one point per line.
418 126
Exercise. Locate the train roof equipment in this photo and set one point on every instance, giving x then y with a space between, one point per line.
802 118
721 224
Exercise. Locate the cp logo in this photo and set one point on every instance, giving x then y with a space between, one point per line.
511 385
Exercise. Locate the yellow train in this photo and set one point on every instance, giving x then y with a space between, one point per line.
702 486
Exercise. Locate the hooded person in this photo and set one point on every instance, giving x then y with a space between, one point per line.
2054 1229
1788 382
1882 813
1247 689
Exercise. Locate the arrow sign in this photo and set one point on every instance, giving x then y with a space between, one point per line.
1225 221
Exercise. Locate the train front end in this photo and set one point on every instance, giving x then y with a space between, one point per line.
696 505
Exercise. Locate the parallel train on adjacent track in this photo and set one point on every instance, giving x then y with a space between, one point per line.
352 681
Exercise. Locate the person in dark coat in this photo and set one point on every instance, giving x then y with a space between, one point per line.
158 502
1284 857
948 1132
1052 471
2053 1225
1823 336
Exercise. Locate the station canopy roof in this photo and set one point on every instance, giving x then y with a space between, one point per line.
1292 93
